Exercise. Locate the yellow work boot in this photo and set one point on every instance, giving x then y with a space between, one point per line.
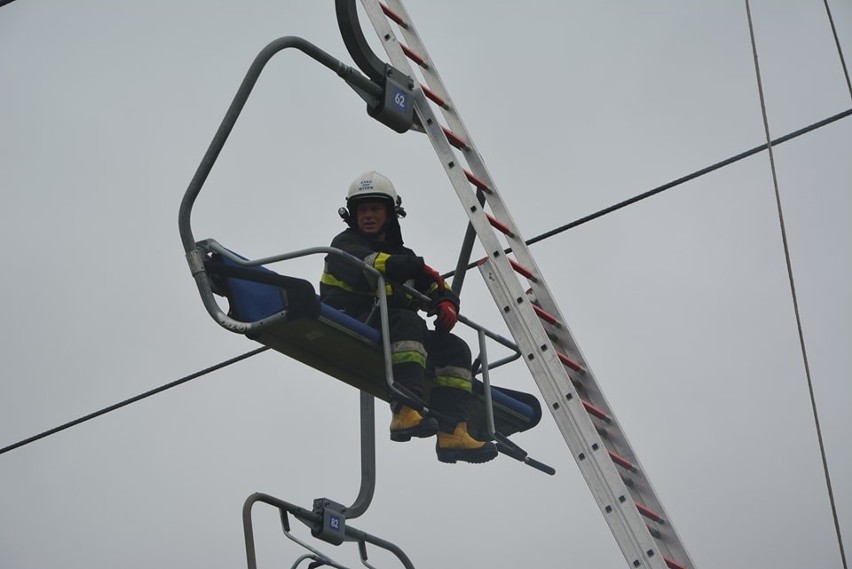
459 445
408 422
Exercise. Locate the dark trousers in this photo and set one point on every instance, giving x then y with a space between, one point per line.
417 350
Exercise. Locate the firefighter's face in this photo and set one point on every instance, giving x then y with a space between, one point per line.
371 217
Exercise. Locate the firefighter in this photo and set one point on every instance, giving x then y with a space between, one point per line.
372 212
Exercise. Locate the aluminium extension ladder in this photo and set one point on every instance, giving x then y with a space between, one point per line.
610 467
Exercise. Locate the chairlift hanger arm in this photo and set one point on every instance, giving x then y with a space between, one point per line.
348 74
373 93
355 42
368 458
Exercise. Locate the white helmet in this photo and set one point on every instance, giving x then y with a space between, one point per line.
372 185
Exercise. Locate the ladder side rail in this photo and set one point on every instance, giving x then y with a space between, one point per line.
577 428
432 127
440 143
456 125
616 440
500 265
428 71
432 79
446 153
473 157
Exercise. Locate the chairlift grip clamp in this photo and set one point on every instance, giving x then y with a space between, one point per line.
332 528
195 260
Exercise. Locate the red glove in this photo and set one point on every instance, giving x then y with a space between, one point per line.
447 316
435 276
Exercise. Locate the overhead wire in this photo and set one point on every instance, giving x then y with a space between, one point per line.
839 49
541 237
789 263
688 177
596 215
674 183
134 399
768 146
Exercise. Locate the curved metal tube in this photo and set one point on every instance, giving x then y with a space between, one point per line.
193 254
311 519
349 74
368 421
368 458
356 43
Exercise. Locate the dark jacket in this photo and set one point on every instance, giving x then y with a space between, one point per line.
348 287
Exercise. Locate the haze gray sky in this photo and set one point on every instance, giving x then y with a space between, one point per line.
681 303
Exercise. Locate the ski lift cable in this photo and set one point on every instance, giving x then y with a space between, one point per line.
674 183
692 176
531 241
788 261
541 237
134 399
837 43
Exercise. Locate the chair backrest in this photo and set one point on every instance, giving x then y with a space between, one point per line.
255 293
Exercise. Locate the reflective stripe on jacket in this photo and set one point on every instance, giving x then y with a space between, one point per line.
350 288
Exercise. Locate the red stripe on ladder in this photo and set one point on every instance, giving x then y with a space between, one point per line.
499 226
413 56
477 182
569 362
596 411
622 462
673 564
454 140
546 316
393 16
648 513
435 98
522 270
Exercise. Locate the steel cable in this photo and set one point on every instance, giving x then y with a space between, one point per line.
134 399
839 50
793 287
675 183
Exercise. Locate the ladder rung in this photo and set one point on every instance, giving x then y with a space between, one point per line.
622 462
435 98
673 564
477 182
596 411
569 362
413 56
544 315
393 16
454 140
499 226
522 270
648 513
655 533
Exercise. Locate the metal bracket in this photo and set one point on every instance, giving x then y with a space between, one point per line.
395 108
312 520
